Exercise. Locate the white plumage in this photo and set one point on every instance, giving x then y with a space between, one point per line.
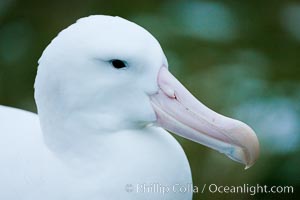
100 129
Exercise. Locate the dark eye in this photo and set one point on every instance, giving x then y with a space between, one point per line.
118 64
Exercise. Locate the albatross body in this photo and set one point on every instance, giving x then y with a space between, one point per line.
31 171
105 99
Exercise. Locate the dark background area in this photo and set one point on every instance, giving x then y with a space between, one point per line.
240 58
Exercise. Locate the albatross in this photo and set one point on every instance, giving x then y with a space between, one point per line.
106 101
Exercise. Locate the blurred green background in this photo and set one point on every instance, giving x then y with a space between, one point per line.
240 58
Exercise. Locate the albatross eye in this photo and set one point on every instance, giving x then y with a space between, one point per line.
118 64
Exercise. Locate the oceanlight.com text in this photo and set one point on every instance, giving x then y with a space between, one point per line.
211 188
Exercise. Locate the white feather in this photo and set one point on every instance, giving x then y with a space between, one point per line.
94 136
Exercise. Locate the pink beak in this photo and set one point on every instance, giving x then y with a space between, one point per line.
178 111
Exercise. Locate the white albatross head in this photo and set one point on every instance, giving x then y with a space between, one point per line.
107 74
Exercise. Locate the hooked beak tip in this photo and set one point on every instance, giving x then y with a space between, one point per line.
247 143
